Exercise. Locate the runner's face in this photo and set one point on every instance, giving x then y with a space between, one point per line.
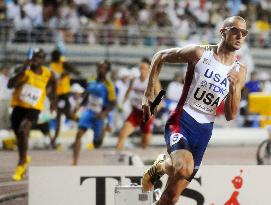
38 60
235 34
102 69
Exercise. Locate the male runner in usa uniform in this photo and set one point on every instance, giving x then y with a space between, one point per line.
213 75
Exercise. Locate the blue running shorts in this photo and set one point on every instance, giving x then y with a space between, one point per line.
188 134
88 120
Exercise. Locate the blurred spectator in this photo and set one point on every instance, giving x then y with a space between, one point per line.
253 85
144 15
2 10
180 21
23 25
93 4
102 11
5 95
83 8
265 5
70 18
261 27
13 10
50 8
235 6
264 79
201 12
34 11
244 119
262 24
245 57
218 13
250 13
124 22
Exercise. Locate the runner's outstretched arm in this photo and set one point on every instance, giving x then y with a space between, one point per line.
17 80
189 54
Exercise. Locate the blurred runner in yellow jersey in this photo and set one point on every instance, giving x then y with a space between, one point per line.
62 71
30 83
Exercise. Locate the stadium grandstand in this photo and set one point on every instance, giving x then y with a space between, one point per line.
122 31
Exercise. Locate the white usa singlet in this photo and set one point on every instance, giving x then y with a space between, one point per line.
209 87
138 89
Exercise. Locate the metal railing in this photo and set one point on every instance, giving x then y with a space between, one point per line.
109 35
123 47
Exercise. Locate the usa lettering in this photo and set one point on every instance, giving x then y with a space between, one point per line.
216 77
210 90
216 88
207 98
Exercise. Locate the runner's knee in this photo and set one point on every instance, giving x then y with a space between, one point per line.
81 131
183 165
184 171
184 168
24 128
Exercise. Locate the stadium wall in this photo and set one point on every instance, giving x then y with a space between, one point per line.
85 57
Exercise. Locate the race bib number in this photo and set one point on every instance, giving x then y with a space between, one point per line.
95 103
30 94
207 96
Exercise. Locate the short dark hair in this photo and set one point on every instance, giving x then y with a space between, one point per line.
229 21
39 51
108 64
55 55
146 60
